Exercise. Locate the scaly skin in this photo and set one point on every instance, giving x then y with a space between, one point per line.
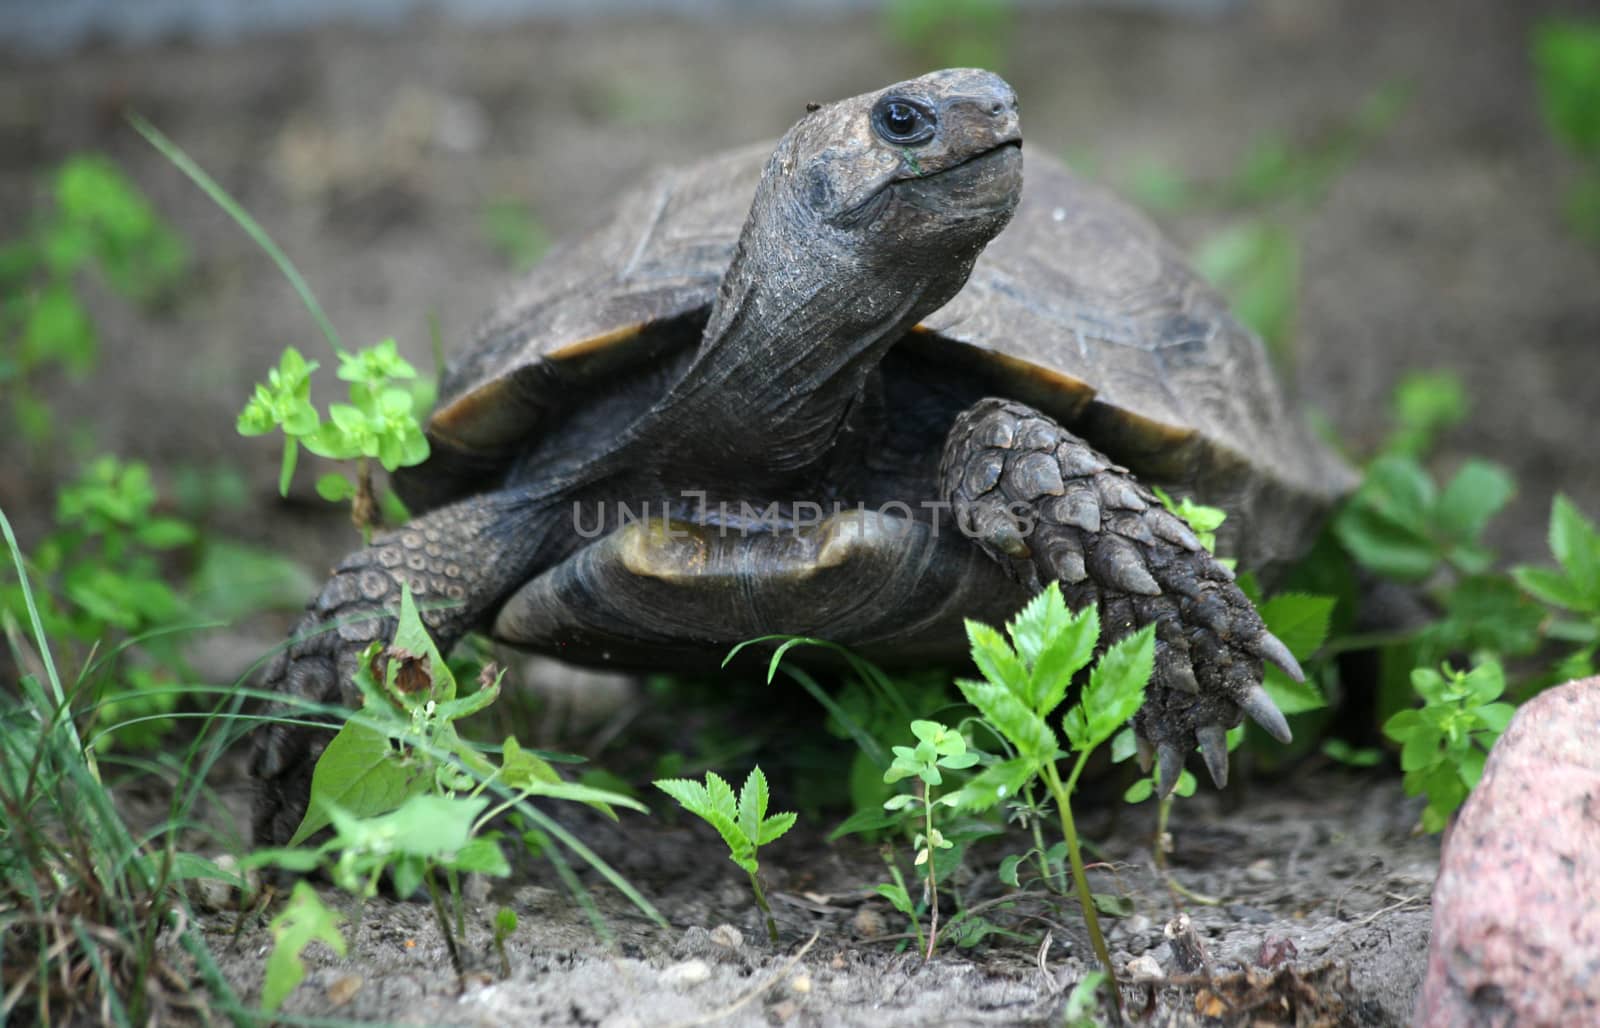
459 561
1046 505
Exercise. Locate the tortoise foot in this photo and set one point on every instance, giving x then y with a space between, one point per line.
453 559
1046 505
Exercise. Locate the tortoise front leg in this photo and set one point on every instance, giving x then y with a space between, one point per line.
458 560
1045 505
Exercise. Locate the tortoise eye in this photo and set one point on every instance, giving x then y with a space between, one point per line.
903 121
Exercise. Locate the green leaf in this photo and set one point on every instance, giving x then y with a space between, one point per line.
1575 542
1552 587
1062 657
775 826
1496 716
411 637
304 920
753 804
1421 748
1290 696
998 662
690 794
1006 711
722 798
897 897
1476 494
481 855
1139 791
335 488
359 773
1040 621
999 781
1299 620
1115 690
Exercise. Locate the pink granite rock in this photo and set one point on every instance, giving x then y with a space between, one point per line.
1516 908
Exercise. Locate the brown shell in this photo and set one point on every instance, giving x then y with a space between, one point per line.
1080 307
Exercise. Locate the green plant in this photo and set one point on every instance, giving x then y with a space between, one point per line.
405 794
1023 682
743 822
379 423
95 219
1573 588
1443 745
937 748
1566 58
102 566
88 907
303 920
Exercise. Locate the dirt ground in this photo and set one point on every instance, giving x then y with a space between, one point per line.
371 157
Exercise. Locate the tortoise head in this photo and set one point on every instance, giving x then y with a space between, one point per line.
928 170
869 216
872 210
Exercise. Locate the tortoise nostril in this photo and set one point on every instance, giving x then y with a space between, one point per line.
997 108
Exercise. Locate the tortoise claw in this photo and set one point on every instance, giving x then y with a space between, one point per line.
1265 713
1213 741
1147 753
1269 647
1171 760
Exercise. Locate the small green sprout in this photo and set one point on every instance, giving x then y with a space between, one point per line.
505 925
303 921
937 747
1023 682
743 823
405 794
1444 744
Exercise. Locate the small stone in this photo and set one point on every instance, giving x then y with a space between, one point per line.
1261 871
1137 924
800 984
686 974
1145 969
782 1011
343 989
868 923
727 936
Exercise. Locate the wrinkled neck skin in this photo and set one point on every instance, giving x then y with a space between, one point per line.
802 318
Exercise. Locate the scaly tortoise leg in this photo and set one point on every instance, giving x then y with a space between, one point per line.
1046 505
458 560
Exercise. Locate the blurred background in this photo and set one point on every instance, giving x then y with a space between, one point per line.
1384 188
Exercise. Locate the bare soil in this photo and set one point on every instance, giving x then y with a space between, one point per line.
371 157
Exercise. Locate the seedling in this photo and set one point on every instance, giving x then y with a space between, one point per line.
405 794
742 823
1023 682
303 920
937 747
1444 744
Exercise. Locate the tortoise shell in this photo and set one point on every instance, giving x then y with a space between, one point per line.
1080 308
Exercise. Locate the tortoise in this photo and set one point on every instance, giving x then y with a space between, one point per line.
832 411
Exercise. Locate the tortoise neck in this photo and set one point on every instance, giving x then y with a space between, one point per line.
779 370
